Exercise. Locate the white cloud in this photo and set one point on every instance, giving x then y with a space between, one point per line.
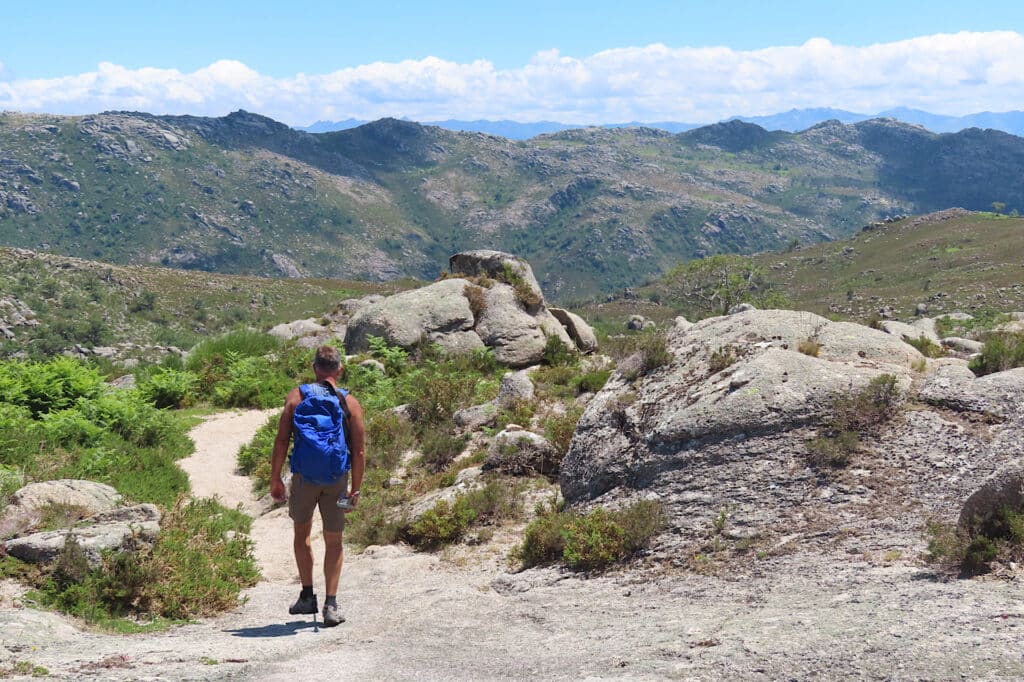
946 73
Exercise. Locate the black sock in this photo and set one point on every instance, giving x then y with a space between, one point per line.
307 591
331 600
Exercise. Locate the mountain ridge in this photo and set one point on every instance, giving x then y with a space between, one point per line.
594 210
794 120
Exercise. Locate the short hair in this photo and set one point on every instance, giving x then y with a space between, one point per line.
327 358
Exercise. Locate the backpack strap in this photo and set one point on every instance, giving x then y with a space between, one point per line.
346 416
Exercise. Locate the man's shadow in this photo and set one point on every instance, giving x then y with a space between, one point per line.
277 629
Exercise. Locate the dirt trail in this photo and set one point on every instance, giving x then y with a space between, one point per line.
415 616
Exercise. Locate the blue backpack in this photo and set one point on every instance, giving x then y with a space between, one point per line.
320 426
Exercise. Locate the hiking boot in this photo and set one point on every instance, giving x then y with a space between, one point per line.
332 616
303 605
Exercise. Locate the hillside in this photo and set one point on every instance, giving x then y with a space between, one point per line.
593 210
949 261
49 303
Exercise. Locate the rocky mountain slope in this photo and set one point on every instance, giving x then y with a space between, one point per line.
592 209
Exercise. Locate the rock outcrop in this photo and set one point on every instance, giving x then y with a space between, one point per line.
727 425
114 529
497 304
27 503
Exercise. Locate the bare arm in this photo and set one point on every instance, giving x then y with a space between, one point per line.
281 442
357 448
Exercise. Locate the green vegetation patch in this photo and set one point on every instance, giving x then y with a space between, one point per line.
594 540
199 564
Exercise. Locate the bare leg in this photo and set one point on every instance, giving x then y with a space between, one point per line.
304 552
333 558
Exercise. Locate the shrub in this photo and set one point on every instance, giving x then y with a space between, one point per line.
254 456
1002 351
69 427
560 428
439 395
440 448
252 382
544 540
167 387
850 416
652 353
440 525
557 353
591 382
388 437
445 522
525 294
240 343
477 298
722 358
872 405
593 540
832 451
972 550
198 565
926 346
809 347
518 411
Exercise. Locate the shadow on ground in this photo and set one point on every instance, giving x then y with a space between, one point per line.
276 629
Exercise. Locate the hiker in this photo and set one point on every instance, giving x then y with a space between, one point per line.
320 464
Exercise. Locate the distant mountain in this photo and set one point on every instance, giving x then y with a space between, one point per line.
594 210
792 121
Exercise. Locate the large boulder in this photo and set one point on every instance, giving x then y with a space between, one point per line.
502 309
502 267
522 453
581 333
517 337
729 423
434 312
23 510
113 529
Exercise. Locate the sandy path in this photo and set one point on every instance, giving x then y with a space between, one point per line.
212 468
416 617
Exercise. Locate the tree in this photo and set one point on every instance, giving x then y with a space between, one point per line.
998 207
713 285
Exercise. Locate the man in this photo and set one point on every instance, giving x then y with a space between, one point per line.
320 475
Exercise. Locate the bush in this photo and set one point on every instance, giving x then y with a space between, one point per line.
971 551
652 353
1002 351
926 346
388 437
167 387
240 343
832 451
440 525
252 382
850 416
254 456
558 354
198 566
809 347
559 429
440 448
592 382
518 411
872 405
590 541
446 522
477 298
721 359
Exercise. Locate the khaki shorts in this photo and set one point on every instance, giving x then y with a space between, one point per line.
305 496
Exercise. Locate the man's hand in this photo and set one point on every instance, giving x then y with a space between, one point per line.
353 501
277 490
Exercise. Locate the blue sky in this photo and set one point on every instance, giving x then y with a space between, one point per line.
575 61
